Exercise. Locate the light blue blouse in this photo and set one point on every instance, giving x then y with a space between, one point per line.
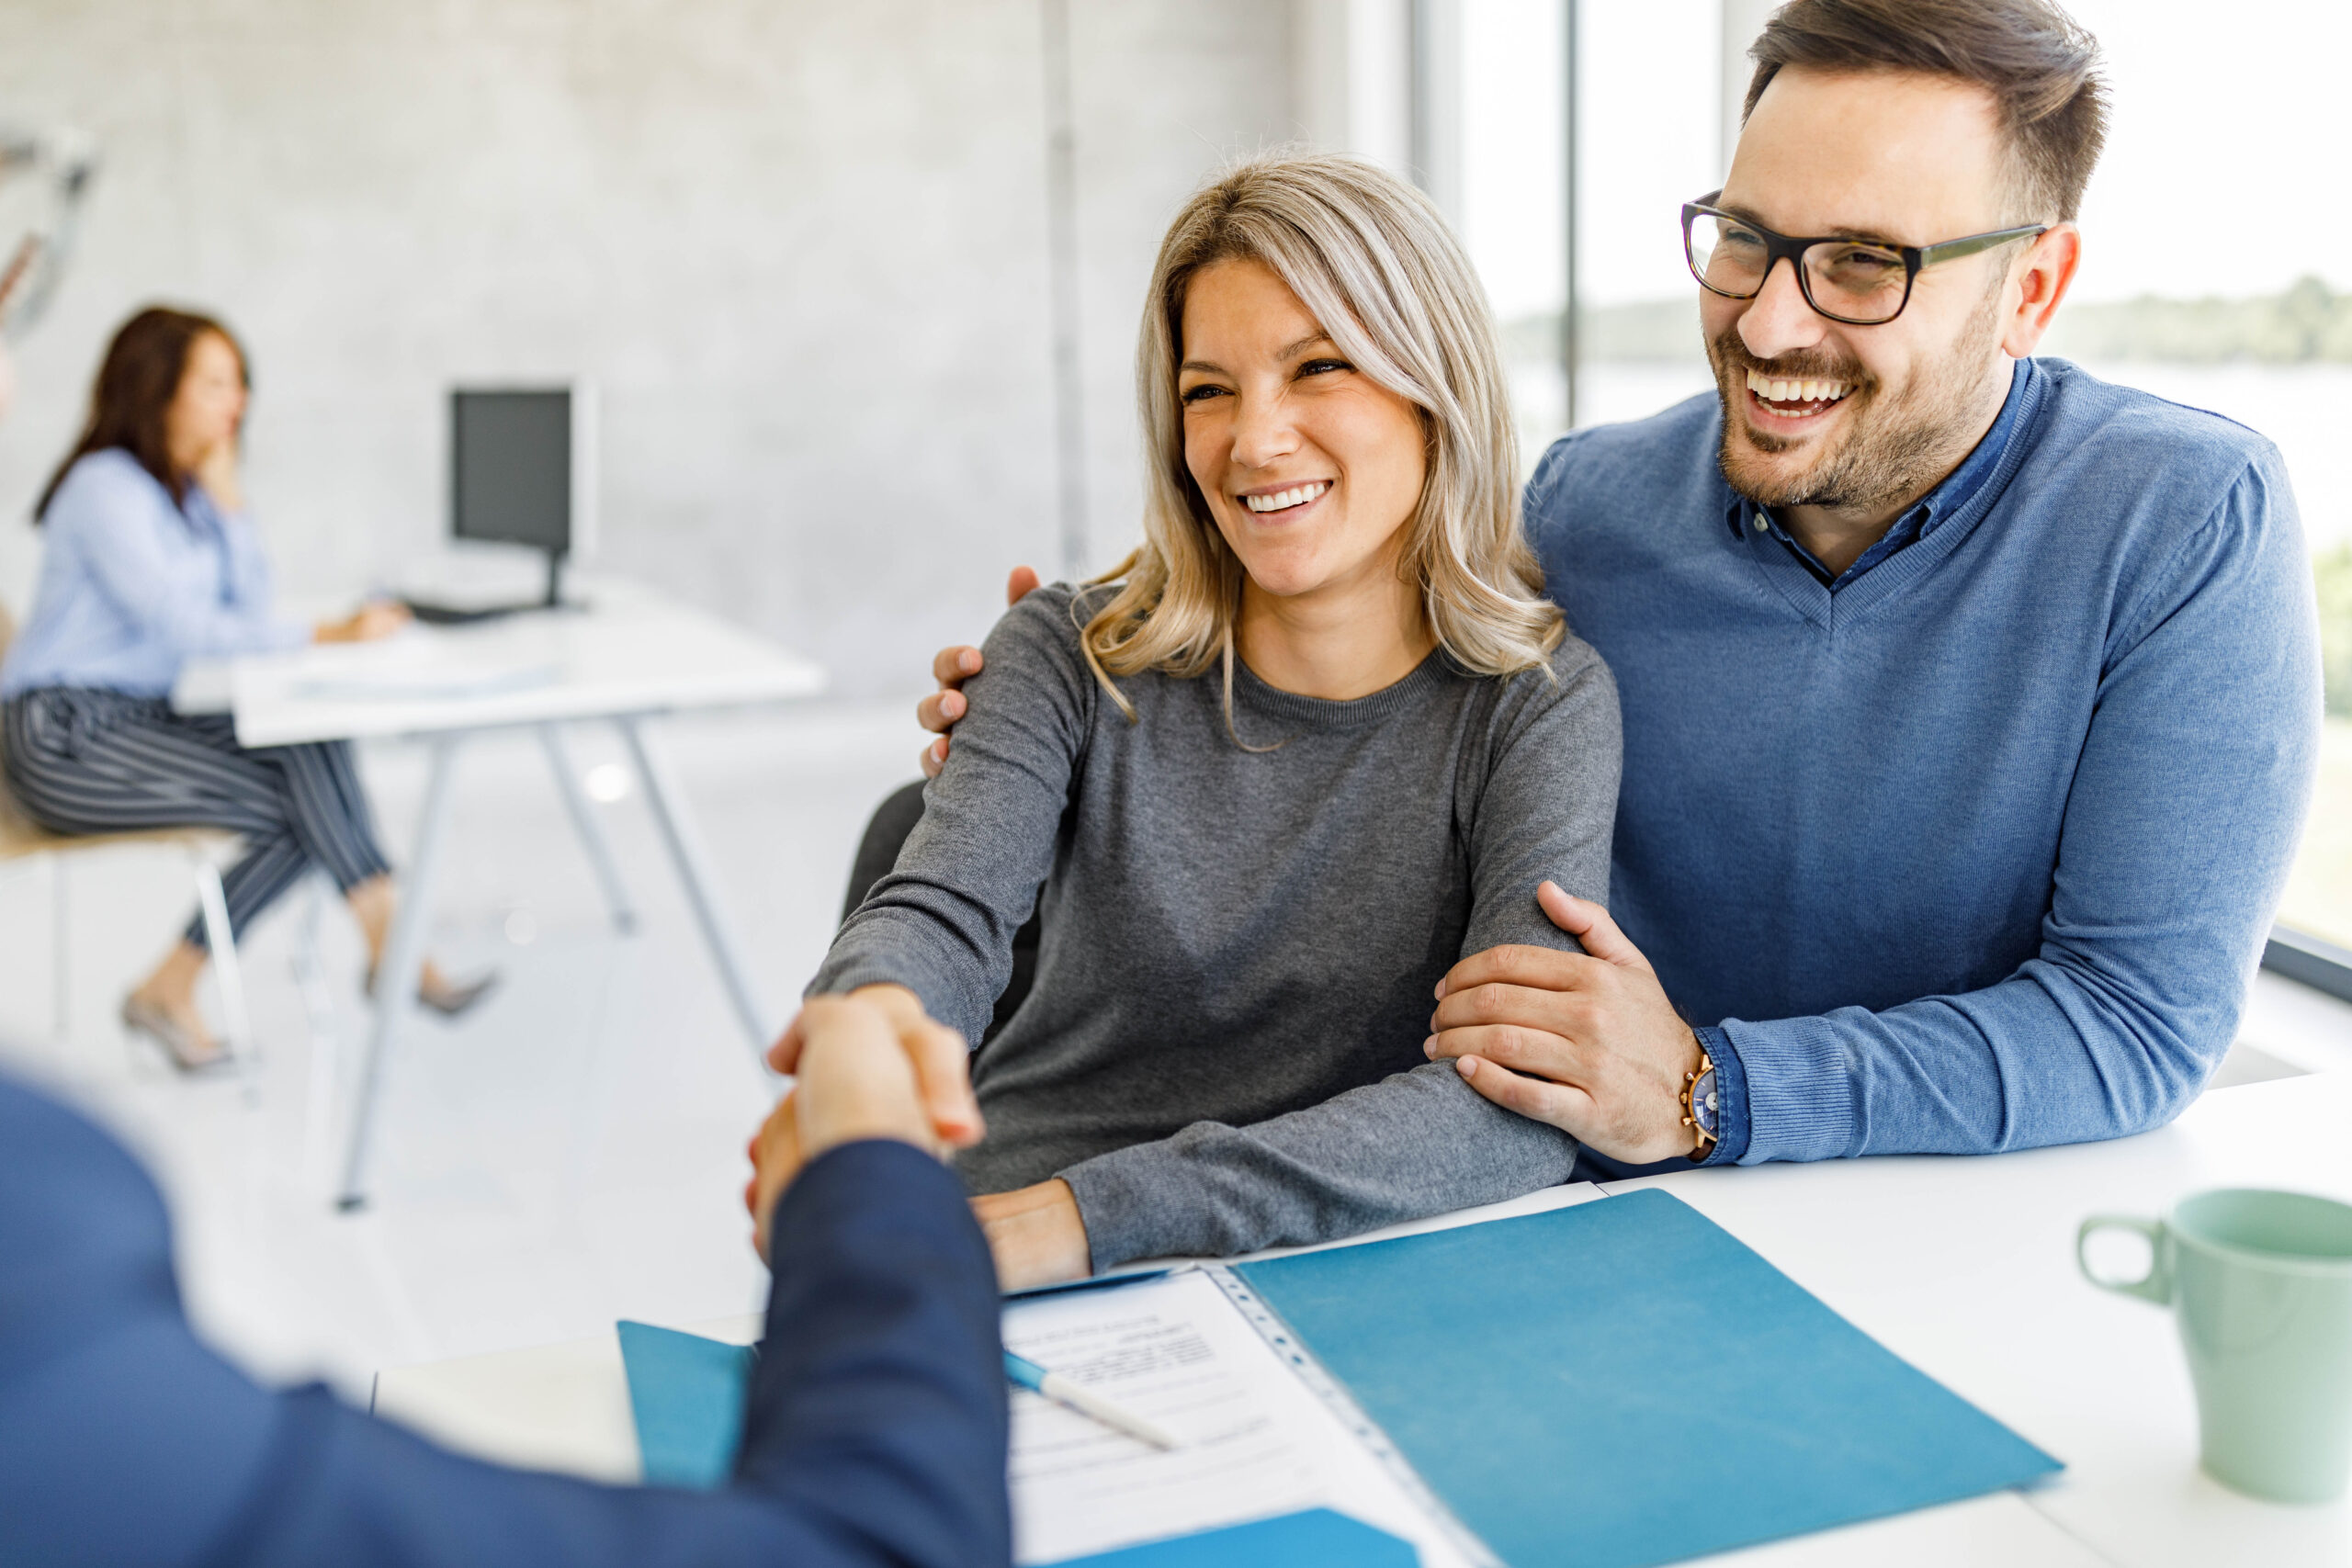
131 586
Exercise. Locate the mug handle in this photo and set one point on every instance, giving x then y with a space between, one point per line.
2155 1285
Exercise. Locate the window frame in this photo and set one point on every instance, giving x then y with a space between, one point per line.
2309 960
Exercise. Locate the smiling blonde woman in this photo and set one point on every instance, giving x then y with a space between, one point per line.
1318 739
1368 258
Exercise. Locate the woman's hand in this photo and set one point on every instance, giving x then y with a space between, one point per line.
216 470
854 1083
376 618
940 1056
1036 1234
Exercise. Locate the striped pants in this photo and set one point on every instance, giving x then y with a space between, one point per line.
95 762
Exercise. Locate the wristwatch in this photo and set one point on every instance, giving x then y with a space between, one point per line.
1702 1107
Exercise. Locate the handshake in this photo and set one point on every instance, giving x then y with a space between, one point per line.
867 1064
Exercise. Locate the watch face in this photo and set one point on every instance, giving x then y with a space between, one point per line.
1704 1103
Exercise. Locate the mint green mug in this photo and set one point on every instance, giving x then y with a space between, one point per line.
2261 1284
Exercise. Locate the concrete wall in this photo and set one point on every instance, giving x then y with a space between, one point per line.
801 247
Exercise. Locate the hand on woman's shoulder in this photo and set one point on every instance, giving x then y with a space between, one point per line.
1037 643
1051 614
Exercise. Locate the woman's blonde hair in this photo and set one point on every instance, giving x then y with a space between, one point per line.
1375 264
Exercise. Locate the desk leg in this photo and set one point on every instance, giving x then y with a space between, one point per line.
592 837
403 966
318 1006
694 869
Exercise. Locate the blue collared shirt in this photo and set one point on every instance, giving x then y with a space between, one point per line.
133 586
1975 846
1949 498
1957 489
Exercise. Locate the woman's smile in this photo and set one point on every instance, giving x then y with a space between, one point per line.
1286 503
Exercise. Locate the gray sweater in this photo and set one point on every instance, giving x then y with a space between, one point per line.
1223 1048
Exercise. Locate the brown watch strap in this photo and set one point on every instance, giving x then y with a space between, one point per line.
1706 1140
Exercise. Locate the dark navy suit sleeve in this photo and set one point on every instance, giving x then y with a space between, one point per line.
875 1434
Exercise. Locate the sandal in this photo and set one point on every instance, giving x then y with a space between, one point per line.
188 1053
454 999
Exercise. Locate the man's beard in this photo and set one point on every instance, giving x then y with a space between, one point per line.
1895 445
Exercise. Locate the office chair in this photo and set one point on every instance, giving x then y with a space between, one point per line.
877 852
22 839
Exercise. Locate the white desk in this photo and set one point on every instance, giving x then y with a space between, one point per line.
565 1408
628 656
1964 1267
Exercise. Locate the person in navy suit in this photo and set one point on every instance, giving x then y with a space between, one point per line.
875 1434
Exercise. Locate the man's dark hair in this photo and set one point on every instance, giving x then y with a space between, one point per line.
2040 65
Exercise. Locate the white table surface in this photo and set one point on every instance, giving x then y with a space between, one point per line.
1963 1266
561 1408
628 650
565 1408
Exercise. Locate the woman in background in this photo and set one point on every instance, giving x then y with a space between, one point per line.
151 561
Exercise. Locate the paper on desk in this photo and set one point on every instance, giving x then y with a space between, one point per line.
434 687
422 680
1256 1442
420 664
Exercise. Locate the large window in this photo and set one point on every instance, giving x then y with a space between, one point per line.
1514 194
2216 272
1649 138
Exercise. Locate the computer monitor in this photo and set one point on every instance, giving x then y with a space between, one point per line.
522 469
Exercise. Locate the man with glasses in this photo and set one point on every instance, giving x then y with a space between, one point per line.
1970 704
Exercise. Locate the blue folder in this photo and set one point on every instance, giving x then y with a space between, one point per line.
687 1395
1316 1538
1612 1385
1623 1384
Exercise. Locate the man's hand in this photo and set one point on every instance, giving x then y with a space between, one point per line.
854 1083
1586 1041
940 1058
953 667
1035 1234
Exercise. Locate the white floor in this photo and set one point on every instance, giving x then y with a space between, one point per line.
574 1154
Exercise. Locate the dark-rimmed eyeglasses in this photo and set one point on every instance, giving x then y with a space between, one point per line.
1863 283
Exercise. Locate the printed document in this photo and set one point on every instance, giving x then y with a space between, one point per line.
1256 1440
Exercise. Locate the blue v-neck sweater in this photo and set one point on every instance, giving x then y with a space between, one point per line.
1977 851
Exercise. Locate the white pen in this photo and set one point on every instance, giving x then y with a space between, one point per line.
1026 1373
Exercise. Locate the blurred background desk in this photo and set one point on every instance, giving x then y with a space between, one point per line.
625 654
